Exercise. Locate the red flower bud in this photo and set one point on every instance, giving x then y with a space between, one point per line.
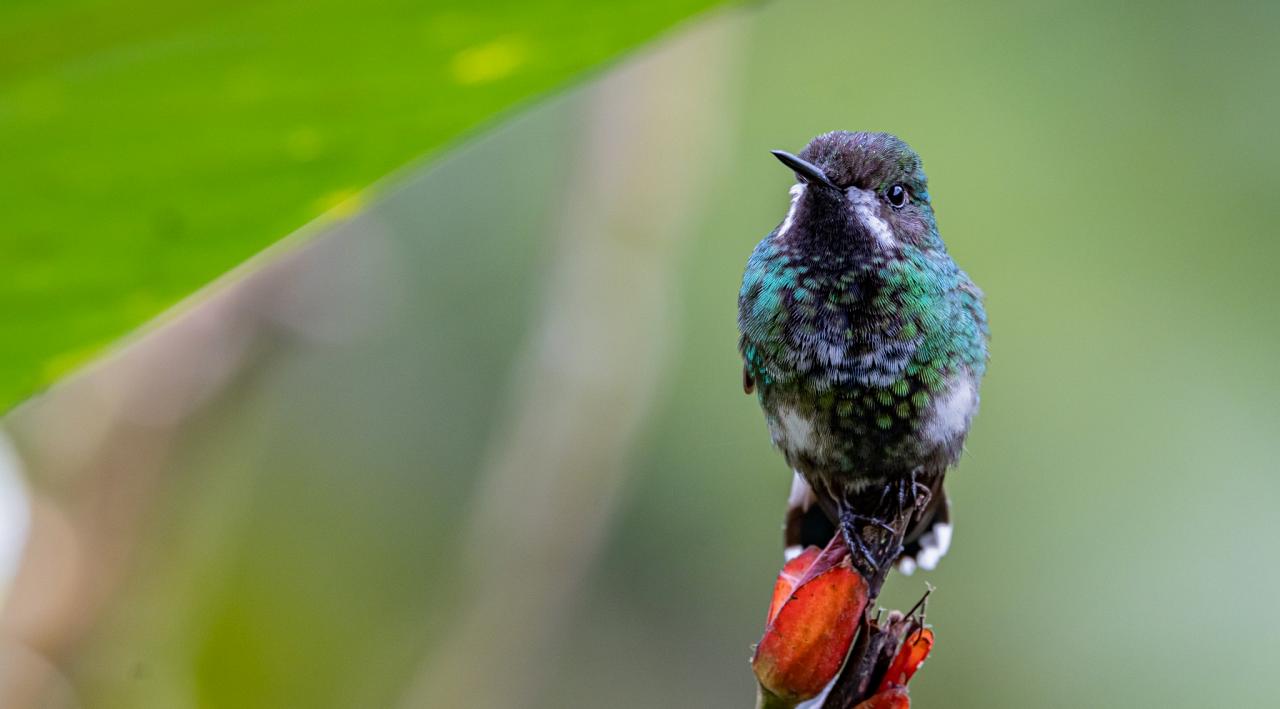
910 656
817 603
788 579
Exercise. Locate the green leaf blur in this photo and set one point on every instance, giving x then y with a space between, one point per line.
147 147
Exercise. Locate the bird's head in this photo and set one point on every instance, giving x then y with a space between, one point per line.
866 191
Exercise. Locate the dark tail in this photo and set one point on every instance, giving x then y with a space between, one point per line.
928 536
809 520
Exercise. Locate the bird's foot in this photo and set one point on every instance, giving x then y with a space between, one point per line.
872 560
913 493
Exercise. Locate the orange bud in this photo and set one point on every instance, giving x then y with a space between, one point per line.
818 601
910 656
788 578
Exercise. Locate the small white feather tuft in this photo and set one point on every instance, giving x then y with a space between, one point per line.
933 546
866 206
796 191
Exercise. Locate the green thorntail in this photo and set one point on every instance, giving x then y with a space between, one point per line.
866 345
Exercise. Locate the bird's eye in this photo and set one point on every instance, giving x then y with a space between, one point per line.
897 196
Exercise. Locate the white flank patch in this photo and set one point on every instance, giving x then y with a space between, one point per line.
797 431
866 206
952 411
796 191
791 552
933 546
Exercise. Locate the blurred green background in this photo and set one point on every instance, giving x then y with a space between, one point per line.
521 358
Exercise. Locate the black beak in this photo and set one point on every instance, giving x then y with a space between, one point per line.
806 170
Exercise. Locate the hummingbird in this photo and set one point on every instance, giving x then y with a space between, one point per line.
865 345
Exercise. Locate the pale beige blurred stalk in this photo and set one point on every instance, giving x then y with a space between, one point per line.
585 382
102 438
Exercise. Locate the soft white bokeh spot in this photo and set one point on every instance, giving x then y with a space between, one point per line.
15 513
